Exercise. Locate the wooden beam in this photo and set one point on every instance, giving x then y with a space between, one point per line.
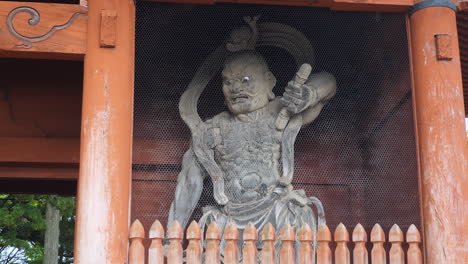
372 5
341 5
40 30
65 150
199 2
39 150
317 3
38 186
159 151
60 173
71 173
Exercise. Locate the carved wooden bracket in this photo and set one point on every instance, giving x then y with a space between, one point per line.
42 28
108 31
463 5
443 46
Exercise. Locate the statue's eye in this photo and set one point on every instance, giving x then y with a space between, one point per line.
246 79
227 82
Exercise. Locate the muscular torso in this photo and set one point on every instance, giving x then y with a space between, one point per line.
247 149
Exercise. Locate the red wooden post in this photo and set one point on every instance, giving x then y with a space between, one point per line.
395 236
287 249
212 251
324 254
360 255
249 251
306 253
441 138
102 222
231 251
156 250
342 255
378 254
175 234
269 250
413 238
137 250
194 248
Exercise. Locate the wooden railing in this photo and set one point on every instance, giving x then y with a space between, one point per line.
195 253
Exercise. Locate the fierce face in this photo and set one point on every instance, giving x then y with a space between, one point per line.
247 84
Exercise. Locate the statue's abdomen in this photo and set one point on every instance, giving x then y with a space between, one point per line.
249 155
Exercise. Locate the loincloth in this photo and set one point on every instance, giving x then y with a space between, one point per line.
280 207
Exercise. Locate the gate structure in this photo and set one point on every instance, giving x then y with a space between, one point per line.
390 148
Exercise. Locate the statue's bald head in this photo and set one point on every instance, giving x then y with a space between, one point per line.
246 58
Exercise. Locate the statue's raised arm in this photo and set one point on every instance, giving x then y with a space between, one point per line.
309 97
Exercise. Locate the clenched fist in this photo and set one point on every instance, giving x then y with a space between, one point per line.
298 97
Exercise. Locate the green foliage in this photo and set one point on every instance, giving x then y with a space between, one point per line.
34 254
22 227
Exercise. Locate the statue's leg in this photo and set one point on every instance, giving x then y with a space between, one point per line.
188 190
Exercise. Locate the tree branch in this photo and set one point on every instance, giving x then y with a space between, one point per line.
9 257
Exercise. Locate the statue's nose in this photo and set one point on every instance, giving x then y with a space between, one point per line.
236 87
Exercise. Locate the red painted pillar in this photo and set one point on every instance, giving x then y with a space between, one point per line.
102 225
439 112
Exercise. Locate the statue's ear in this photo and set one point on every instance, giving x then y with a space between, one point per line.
271 79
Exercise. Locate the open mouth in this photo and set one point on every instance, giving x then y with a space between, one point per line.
239 98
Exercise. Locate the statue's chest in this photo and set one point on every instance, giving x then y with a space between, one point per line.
248 137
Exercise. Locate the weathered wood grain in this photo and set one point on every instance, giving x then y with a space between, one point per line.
324 254
156 250
136 253
231 251
194 248
342 255
268 235
249 251
175 235
62 44
395 236
212 251
67 150
287 250
413 238
440 133
360 255
378 254
306 252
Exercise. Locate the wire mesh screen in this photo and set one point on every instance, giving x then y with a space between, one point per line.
358 157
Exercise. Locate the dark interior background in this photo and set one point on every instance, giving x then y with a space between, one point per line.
358 157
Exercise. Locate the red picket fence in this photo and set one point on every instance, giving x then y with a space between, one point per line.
268 255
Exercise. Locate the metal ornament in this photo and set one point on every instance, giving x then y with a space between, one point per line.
34 20
432 3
